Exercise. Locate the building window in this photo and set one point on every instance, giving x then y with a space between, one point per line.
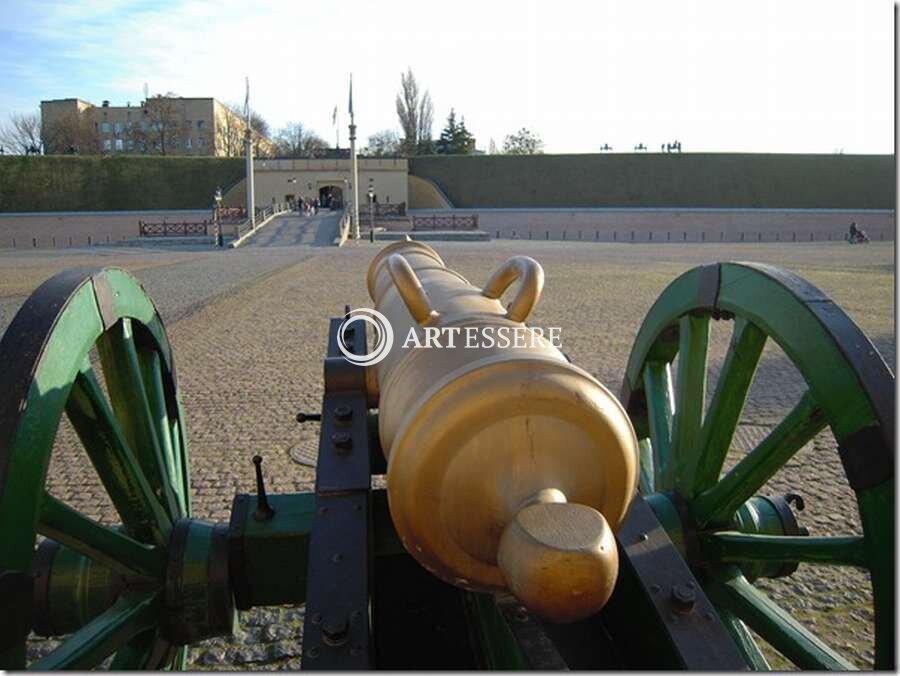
187 143
129 144
104 127
199 124
107 144
119 145
119 127
200 142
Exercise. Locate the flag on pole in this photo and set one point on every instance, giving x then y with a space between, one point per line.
334 117
351 94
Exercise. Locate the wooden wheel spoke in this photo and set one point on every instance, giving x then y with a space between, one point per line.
130 615
147 651
690 397
131 404
660 410
732 388
112 457
775 625
732 547
104 545
646 478
744 641
151 370
718 503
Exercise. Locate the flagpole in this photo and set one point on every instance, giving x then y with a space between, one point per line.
354 173
337 128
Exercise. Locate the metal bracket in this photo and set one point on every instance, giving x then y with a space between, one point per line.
336 633
687 618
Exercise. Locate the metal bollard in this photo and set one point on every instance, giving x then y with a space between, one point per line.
34 242
579 235
742 237
89 240
54 241
812 237
684 237
564 234
547 235
703 236
632 235
14 242
759 237
615 235
669 236
70 241
530 234
596 235
794 238
722 236
650 236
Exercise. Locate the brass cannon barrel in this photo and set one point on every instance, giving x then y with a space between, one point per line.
508 466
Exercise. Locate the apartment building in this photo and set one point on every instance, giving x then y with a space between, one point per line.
160 125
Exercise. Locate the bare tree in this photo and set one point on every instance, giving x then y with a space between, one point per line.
22 134
416 114
385 142
259 124
72 134
523 142
230 134
426 117
295 140
234 132
160 128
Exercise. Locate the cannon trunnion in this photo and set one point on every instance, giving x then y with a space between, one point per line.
455 573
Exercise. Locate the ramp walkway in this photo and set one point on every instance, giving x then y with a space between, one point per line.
298 230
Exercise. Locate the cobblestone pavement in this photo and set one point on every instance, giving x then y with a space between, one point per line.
249 356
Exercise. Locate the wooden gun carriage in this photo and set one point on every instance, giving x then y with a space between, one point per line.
674 589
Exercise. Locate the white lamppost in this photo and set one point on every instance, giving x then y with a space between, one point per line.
218 200
294 181
371 206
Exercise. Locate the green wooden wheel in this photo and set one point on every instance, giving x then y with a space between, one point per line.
135 439
716 517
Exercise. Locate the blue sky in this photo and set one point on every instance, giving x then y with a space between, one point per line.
718 75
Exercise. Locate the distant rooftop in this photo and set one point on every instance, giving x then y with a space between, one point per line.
106 104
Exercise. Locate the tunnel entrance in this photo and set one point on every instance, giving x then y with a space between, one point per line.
331 197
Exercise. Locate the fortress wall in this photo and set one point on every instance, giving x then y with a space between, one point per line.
723 180
114 183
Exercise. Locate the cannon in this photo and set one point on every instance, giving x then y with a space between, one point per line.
531 519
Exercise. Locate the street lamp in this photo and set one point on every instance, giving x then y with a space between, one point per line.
294 181
218 199
371 209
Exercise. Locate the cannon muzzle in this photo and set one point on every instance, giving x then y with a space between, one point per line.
508 466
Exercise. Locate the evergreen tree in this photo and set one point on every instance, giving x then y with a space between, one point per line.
465 142
445 141
455 139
